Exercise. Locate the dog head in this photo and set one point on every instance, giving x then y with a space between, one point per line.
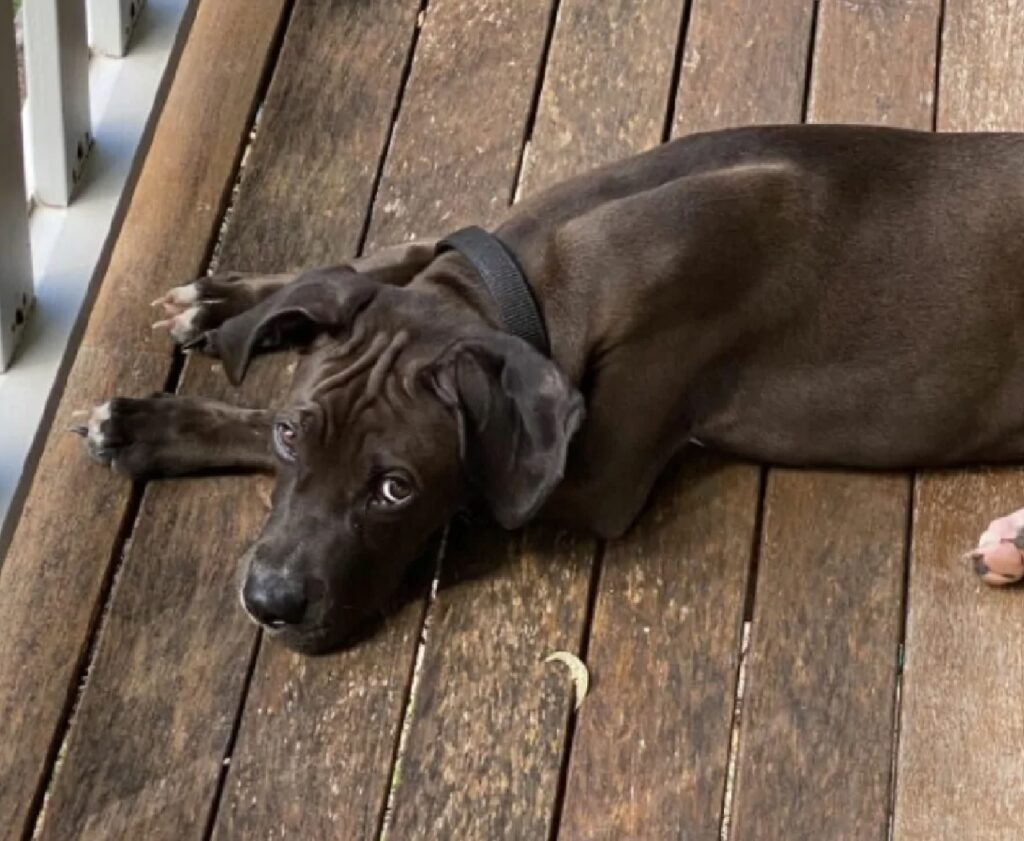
401 413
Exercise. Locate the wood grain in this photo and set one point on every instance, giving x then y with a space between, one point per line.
487 730
961 756
816 734
817 730
744 62
874 62
458 137
651 748
61 552
649 756
175 603
606 87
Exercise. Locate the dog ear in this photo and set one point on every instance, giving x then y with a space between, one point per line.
292 316
396 265
517 414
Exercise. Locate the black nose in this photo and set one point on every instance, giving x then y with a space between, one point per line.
275 600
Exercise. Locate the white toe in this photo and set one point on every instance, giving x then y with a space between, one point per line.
183 326
96 419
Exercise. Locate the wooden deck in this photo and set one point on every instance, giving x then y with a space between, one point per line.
811 638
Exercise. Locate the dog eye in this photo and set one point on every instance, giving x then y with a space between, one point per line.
393 490
285 435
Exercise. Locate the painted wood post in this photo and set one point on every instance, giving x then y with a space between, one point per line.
111 23
15 259
57 74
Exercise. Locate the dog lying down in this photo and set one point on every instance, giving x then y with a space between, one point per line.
799 295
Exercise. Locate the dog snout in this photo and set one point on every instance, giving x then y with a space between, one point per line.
275 600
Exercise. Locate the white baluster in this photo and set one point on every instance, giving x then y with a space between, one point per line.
15 262
57 73
111 23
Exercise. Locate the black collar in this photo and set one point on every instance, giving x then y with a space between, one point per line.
504 279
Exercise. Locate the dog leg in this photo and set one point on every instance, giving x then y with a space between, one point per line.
207 303
999 557
165 435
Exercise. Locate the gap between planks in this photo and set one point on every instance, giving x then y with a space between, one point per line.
908 542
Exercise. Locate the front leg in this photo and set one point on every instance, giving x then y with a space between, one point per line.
165 435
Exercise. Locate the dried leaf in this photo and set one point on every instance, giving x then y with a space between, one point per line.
577 670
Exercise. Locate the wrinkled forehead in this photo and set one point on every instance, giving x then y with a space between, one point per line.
368 400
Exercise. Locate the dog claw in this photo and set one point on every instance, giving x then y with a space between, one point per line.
998 558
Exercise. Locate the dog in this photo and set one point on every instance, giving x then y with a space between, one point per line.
799 295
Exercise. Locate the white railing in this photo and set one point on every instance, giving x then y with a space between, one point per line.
60 38
15 260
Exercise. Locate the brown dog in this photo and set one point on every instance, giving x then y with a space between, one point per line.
801 295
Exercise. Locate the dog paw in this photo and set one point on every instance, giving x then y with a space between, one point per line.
190 311
119 434
999 556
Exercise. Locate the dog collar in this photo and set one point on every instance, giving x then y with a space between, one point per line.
500 272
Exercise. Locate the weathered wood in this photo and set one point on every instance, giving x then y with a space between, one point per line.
961 747
817 722
61 552
961 754
815 751
606 87
744 62
488 724
650 754
649 757
489 716
458 136
874 62
159 779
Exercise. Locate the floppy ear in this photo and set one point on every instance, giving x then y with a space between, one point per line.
517 414
396 265
294 315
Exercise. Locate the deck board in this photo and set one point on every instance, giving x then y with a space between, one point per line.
817 728
961 756
57 567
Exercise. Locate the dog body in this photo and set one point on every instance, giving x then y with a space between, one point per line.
820 295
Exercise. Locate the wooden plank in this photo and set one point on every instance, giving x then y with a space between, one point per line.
606 87
487 730
816 733
649 757
61 552
651 748
146 752
815 750
961 756
875 62
458 137
737 70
